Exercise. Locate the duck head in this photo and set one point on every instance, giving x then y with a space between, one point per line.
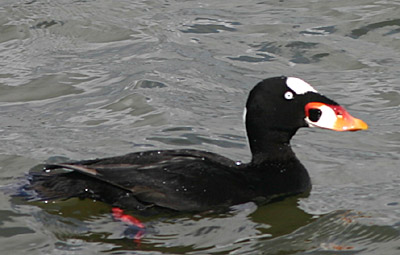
277 107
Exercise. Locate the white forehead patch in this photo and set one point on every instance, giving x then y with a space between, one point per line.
299 86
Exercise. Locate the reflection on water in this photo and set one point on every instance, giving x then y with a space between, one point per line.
39 89
91 221
87 79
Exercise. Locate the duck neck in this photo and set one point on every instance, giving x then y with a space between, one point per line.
273 145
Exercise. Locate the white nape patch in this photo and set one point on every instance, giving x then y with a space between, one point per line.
299 86
327 119
244 115
244 122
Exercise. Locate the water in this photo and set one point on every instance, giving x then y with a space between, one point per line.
85 79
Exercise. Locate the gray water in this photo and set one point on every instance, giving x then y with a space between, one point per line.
86 79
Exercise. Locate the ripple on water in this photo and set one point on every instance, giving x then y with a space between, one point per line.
44 87
84 79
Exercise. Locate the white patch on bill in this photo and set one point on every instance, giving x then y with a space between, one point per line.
327 119
299 86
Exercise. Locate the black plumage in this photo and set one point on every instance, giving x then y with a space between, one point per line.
193 180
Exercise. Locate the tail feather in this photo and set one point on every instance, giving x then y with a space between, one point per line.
53 182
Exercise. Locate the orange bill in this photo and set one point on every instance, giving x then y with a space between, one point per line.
332 117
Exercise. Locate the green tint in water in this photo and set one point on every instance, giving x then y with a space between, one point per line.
87 79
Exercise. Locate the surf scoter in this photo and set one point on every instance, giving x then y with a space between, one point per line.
194 180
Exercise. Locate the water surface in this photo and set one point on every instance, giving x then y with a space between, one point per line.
85 79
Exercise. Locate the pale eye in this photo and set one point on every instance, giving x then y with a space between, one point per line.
289 95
